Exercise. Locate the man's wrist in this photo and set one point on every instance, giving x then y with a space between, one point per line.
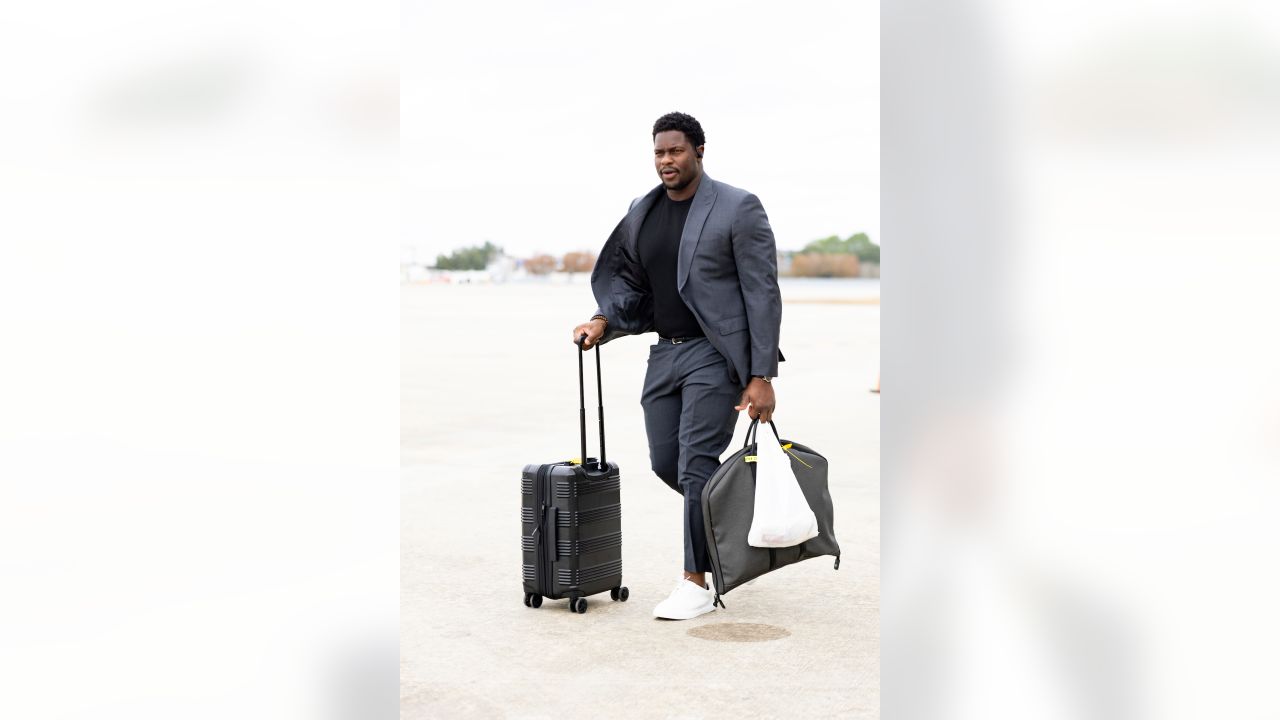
598 316
766 378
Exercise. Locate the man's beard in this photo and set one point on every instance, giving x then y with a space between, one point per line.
680 184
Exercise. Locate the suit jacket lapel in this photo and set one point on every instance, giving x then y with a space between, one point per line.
703 199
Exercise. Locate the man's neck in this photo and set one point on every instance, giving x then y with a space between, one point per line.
687 192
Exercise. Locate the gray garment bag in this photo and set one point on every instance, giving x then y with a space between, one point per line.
728 503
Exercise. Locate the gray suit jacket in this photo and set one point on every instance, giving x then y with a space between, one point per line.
727 274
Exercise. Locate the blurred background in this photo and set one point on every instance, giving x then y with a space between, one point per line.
1079 422
525 140
198 386
528 125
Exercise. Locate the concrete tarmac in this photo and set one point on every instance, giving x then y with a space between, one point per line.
488 385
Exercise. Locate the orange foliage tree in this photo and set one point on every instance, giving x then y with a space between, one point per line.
824 265
540 264
578 262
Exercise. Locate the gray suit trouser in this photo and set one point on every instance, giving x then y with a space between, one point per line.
688 403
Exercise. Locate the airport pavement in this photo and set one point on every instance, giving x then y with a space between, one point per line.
489 384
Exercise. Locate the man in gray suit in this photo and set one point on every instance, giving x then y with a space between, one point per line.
695 261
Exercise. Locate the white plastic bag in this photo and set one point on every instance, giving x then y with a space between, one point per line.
782 515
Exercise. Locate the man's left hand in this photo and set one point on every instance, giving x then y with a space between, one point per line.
759 397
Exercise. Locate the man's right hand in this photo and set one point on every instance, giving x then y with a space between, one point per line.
594 330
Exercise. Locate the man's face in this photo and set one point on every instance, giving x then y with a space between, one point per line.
675 160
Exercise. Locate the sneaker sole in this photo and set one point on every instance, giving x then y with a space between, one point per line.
684 616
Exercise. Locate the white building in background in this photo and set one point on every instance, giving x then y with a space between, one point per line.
411 269
503 268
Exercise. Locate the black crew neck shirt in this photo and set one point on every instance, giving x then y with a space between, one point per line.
659 252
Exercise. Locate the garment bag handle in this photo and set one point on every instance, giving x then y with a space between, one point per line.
753 428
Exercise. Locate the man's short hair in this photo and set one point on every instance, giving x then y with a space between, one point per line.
686 124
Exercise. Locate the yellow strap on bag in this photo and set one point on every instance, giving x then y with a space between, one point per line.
787 447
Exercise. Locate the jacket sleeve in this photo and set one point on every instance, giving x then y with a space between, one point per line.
622 295
756 255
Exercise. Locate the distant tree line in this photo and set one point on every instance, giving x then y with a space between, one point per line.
574 262
858 245
834 257
827 257
478 257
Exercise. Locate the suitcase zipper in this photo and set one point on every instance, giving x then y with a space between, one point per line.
541 493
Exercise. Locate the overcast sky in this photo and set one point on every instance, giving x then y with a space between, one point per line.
529 124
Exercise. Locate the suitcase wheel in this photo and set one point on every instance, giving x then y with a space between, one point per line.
533 601
578 605
619 593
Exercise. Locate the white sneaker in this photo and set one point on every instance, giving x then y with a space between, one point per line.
687 601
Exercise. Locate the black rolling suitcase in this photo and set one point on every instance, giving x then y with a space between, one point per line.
571 520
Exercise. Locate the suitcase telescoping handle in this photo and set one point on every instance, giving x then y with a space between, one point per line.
582 402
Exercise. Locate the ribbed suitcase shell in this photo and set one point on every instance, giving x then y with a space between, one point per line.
571 517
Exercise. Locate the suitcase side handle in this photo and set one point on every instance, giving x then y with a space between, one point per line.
552 539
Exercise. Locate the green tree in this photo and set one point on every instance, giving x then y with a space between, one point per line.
866 250
827 246
470 258
857 244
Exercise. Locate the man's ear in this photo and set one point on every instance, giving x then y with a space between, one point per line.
698 151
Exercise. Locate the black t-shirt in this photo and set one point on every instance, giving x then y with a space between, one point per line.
659 252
